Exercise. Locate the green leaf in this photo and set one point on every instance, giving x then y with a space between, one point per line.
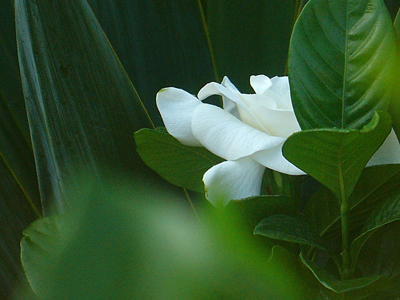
254 209
160 44
181 165
40 246
82 107
19 191
342 63
387 212
357 288
257 27
375 185
285 228
341 153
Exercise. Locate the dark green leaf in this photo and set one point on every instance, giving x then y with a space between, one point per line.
181 165
354 288
285 228
160 44
375 185
254 209
342 63
81 105
250 37
387 212
341 154
19 192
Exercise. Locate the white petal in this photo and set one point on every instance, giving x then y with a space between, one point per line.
229 105
245 113
228 137
388 153
176 107
260 83
278 122
233 180
274 160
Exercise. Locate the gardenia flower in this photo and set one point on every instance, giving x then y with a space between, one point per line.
248 133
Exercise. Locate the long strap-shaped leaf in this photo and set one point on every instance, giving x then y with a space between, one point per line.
82 107
160 43
342 63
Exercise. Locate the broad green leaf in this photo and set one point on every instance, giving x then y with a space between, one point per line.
341 154
82 107
254 209
353 289
343 63
375 185
160 43
289 229
181 165
387 212
395 105
250 37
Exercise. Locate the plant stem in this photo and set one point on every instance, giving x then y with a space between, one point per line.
346 260
345 216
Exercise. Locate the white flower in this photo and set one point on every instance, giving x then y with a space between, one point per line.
248 132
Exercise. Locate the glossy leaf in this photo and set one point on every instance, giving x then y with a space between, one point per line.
289 229
387 212
395 105
341 154
342 63
250 37
357 288
82 107
160 44
181 165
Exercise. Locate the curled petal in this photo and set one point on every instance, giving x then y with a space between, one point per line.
230 94
260 83
228 137
233 180
388 153
274 160
176 107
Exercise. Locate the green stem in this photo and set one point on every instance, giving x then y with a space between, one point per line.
346 260
345 216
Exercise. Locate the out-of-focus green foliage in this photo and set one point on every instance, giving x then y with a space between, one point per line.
127 243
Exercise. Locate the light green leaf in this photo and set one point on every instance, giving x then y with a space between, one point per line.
82 107
336 157
343 63
160 44
387 212
181 165
289 229
357 288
